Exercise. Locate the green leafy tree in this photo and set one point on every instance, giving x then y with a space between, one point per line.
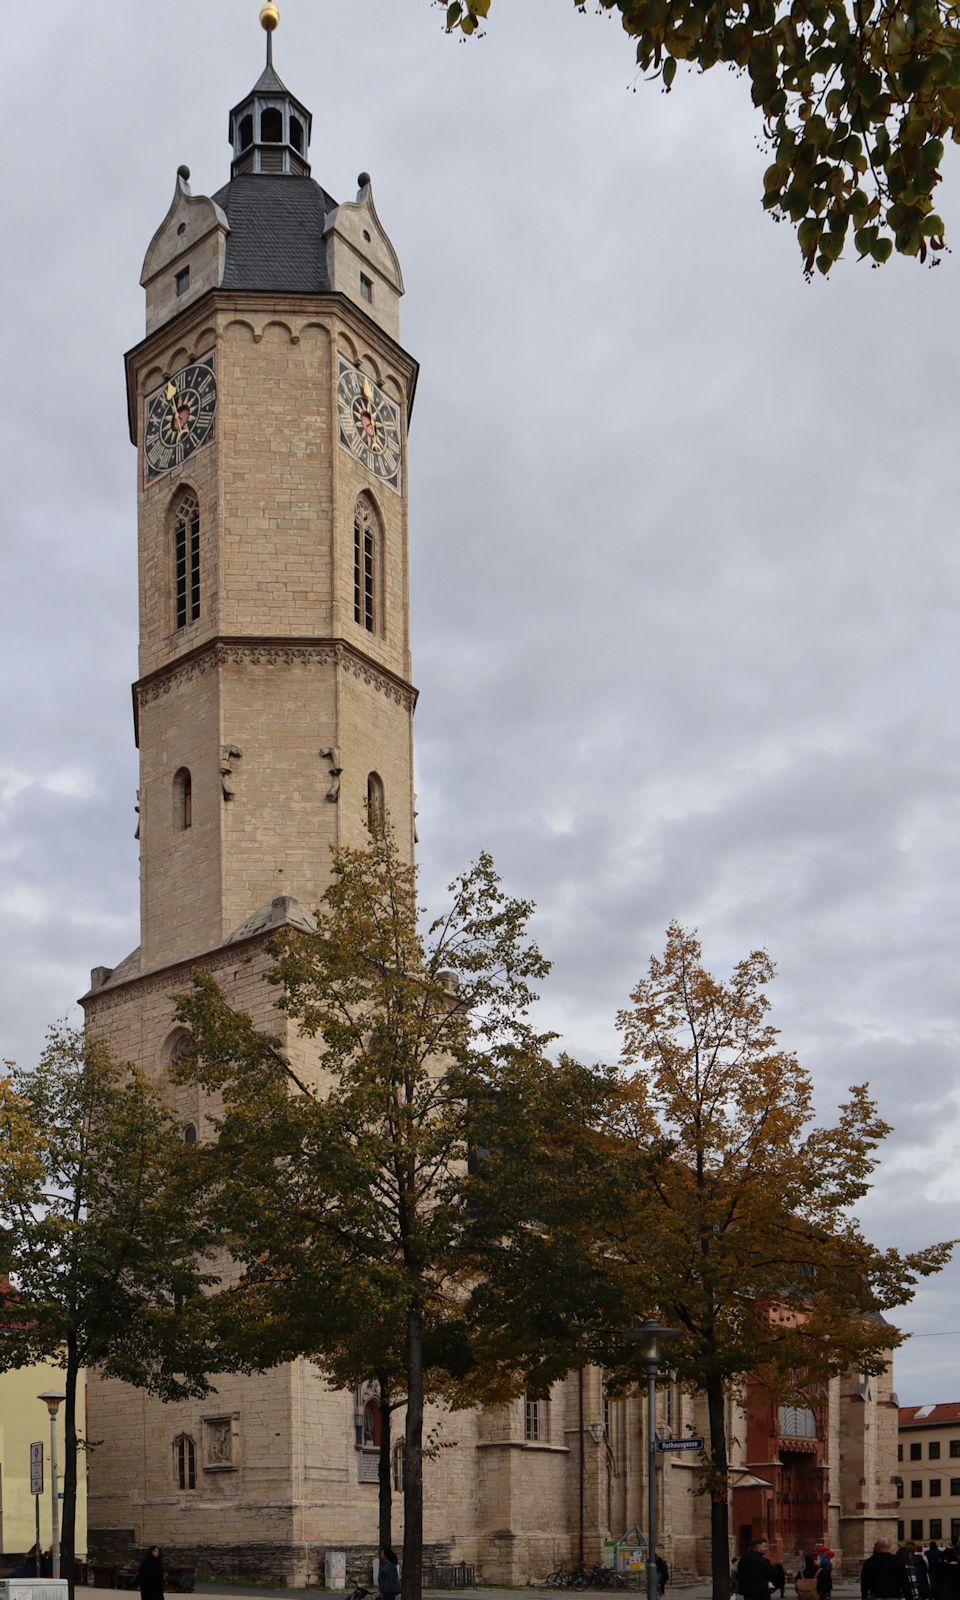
101 1233
856 99
740 1232
347 1157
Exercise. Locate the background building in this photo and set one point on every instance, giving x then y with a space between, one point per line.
928 1482
24 1419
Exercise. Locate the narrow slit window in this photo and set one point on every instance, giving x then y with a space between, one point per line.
183 799
531 1420
366 287
376 805
186 557
183 280
365 557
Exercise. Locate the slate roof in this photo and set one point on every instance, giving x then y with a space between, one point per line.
930 1416
276 239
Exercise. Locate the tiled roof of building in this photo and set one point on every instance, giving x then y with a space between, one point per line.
930 1416
276 242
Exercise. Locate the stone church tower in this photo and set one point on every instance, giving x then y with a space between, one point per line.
269 405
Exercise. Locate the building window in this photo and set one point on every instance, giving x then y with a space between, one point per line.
185 1454
365 560
396 1467
955 1448
190 1134
916 1451
899 1452
296 134
182 799
797 1422
900 1527
366 288
955 1486
186 559
606 1417
183 280
271 126
916 1489
933 1450
934 1488
916 1529
936 1528
532 1420
376 805
955 1530
898 1487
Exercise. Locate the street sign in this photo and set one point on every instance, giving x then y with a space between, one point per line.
36 1469
680 1444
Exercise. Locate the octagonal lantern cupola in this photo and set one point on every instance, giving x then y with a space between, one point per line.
270 128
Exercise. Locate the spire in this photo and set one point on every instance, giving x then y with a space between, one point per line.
270 128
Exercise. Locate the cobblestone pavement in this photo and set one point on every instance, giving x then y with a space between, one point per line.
843 1589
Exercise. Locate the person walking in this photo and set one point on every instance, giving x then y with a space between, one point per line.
813 1581
883 1575
754 1572
663 1574
388 1575
946 1582
149 1579
921 1570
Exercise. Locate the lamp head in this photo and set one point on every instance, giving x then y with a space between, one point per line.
648 1338
52 1399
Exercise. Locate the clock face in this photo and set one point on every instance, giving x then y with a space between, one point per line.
180 417
369 425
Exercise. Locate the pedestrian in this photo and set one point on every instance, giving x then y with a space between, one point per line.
813 1581
946 1582
754 1572
388 1575
883 1575
921 1570
149 1579
779 1577
663 1573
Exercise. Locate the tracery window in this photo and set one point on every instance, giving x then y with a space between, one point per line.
185 1456
186 559
367 602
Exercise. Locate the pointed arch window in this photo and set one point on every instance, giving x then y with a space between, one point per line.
376 805
186 559
185 1459
183 799
367 586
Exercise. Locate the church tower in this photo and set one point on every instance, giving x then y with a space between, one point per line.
269 405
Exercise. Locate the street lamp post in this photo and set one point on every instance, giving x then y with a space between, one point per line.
52 1399
649 1338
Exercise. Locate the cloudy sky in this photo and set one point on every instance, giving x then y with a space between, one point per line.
684 558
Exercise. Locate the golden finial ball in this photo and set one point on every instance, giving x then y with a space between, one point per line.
269 17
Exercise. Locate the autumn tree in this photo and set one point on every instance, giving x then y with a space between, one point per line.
101 1233
856 99
346 1159
741 1233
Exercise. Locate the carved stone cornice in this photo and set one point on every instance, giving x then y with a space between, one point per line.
274 652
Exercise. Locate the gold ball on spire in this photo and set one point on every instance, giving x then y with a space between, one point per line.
269 17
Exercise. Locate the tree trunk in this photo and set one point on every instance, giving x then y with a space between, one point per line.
385 1533
68 1524
719 1491
413 1462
